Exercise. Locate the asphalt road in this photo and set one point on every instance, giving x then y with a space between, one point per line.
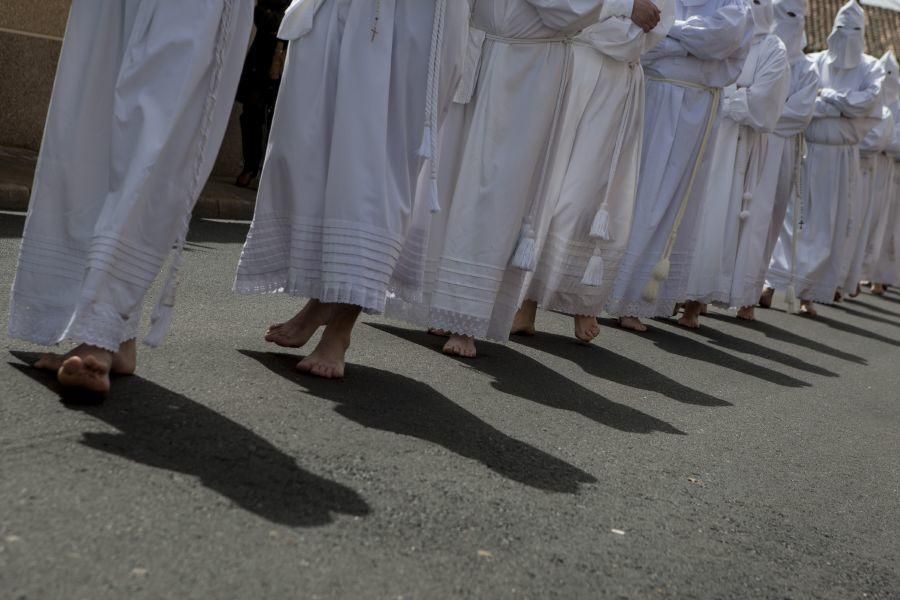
741 461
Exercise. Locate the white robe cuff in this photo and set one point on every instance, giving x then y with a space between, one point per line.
738 106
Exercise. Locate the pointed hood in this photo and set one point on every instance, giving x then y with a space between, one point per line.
891 86
763 17
847 41
790 26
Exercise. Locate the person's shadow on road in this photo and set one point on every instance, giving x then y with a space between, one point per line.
163 429
391 402
783 335
684 343
522 376
600 362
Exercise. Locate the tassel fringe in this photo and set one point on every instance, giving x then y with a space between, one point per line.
791 299
659 275
600 226
426 150
433 198
525 256
745 214
593 276
159 325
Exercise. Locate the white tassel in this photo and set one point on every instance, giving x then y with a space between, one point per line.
433 198
593 275
659 275
791 299
159 325
745 214
426 150
748 197
600 226
525 256
661 270
651 292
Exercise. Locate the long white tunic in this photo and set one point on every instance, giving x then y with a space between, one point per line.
797 114
887 265
493 161
704 52
143 92
741 189
602 125
338 187
844 114
876 175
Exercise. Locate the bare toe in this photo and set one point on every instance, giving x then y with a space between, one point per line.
459 345
87 374
586 328
632 324
49 362
746 314
689 322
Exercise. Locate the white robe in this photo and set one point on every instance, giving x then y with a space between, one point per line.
876 175
705 50
338 188
887 265
602 124
830 176
143 93
494 159
740 194
796 116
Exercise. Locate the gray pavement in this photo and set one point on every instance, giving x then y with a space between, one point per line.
740 461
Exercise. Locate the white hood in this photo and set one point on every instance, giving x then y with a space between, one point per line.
763 16
891 86
847 41
790 26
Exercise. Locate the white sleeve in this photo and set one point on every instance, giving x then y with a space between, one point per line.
759 105
568 15
717 36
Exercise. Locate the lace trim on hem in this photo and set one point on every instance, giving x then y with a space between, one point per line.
459 324
371 300
640 309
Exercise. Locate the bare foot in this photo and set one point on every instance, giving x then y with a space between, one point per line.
691 318
586 328
839 295
86 369
296 332
460 345
328 359
857 291
632 324
878 289
523 324
765 300
439 332
807 309
124 362
746 313
704 308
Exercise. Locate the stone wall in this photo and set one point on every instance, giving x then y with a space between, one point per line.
30 40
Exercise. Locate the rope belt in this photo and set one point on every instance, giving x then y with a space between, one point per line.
797 224
661 270
525 255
